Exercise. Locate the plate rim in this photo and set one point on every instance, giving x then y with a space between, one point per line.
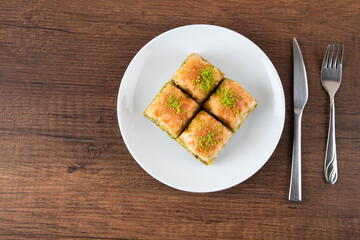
118 106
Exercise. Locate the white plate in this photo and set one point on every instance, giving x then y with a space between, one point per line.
241 60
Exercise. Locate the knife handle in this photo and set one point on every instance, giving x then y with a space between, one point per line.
295 181
330 168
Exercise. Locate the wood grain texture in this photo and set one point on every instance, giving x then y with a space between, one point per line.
65 172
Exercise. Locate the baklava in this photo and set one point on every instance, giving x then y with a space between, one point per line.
205 137
197 77
230 103
172 110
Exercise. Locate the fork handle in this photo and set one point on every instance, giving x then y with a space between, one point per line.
295 181
330 167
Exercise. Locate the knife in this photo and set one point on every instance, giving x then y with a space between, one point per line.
300 99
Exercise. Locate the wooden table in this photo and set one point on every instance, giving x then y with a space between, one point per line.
65 172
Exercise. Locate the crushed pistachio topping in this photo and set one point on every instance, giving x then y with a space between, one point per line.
202 124
237 112
208 140
174 103
205 79
228 99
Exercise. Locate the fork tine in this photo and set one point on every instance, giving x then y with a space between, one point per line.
336 57
332 56
341 56
326 57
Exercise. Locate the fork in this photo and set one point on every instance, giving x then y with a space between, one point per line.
331 72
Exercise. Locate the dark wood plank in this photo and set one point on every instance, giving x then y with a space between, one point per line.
65 172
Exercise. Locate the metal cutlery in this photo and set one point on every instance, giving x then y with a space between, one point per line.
300 99
331 72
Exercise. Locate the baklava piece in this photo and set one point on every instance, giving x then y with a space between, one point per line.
197 77
231 104
205 137
171 110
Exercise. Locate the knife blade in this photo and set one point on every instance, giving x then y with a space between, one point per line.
300 100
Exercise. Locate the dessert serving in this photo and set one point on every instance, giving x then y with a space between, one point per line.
231 103
172 110
200 109
205 137
197 77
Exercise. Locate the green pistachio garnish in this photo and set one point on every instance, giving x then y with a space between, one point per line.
202 124
174 103
228 99
208 140
237 112
206 79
